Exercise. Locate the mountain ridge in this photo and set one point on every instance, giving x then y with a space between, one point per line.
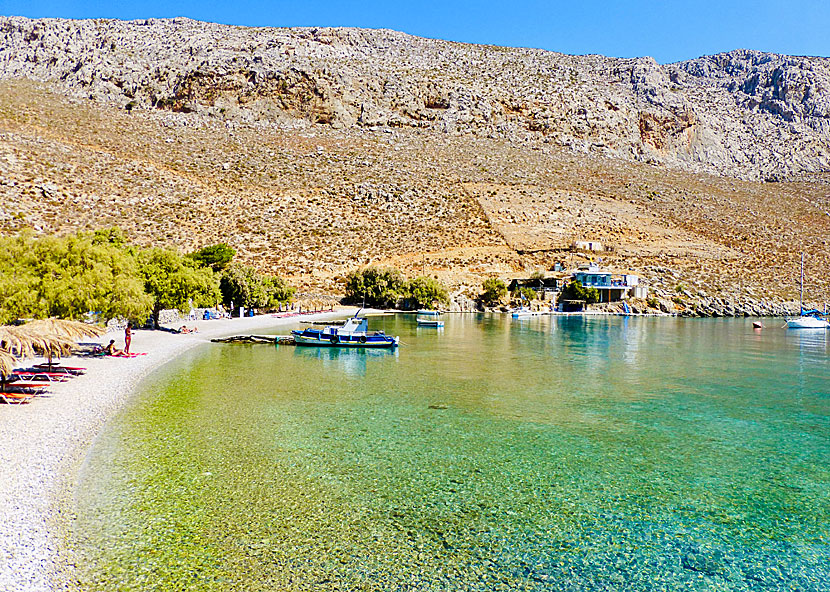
744 113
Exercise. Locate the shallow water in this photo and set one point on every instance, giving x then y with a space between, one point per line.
575 453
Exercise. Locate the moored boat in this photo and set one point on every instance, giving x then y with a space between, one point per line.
354 333
808 319
523 312
429 318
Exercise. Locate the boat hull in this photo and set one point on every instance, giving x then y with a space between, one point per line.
807 323
372 341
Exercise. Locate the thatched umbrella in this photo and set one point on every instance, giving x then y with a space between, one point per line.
73 330
55 337
50 345
15 341
7 362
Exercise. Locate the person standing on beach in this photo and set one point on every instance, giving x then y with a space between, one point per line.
128 337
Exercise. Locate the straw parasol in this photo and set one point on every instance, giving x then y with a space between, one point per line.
72 330
49 345
15 341
56 337
7 363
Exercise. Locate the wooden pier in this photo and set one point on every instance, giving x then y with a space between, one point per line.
268 339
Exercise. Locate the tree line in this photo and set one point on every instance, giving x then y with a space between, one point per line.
101 273
387 288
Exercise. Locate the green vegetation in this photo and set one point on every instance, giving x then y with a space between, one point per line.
386 288
173 281
245 286
494 291
68 277
49 276
217 257
528 293
575 291
426 292
381 288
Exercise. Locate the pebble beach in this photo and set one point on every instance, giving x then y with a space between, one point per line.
46 440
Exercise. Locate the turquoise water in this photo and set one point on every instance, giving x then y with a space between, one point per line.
569 454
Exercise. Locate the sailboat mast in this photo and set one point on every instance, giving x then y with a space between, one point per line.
801 292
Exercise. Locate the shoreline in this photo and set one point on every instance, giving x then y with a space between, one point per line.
46 442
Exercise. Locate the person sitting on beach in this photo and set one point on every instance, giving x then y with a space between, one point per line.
184 329
111 350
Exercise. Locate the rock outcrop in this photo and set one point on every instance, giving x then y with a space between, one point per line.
746 114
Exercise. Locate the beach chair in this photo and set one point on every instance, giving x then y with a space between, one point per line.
34 376
15 398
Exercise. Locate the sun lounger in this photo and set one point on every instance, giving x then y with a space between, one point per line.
16 398
70 368
56 368
42 376
20 386
55 372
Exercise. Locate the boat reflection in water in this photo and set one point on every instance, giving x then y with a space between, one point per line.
350 361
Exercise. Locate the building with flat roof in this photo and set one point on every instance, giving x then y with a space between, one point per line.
612 287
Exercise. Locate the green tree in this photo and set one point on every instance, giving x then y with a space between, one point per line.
426 292
380 288
245 286
172 281
68 277
217 257
494 291
575 291
528 293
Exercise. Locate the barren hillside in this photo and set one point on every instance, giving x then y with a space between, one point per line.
316 151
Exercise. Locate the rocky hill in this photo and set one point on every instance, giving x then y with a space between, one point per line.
313 151
746 114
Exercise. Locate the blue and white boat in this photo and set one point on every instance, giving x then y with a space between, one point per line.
808 319
354 333
429 318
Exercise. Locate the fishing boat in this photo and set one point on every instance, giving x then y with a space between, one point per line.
354 333
808 319
429 318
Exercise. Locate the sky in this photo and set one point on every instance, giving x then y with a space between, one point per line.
668 30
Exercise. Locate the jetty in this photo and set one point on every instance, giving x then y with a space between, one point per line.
268 339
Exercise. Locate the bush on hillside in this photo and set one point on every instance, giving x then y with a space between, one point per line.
217 257
494 291
426 292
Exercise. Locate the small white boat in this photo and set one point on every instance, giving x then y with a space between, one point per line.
523 312
808 319
429 318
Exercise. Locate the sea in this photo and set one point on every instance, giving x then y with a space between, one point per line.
555 453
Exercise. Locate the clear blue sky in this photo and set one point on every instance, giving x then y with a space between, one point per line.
669 30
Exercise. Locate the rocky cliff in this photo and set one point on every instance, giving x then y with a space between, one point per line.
745 114
316 151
